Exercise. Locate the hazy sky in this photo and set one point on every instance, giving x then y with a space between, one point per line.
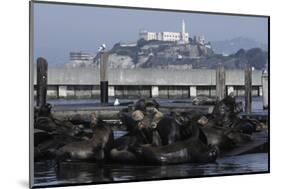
59 29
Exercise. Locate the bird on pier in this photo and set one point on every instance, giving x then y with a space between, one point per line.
102 48
116 102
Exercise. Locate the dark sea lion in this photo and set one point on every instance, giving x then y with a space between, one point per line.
217 136
225 138
97 148
225 114
44 111
48 149
189 151
124 147
41 136
169 129
123 156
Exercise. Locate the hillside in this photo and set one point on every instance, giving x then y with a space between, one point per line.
233 45
157 54
163 55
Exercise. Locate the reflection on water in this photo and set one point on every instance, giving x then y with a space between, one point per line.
83 172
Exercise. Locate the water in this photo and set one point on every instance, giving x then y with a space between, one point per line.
83 172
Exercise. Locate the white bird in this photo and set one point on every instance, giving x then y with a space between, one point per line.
102 48
116 102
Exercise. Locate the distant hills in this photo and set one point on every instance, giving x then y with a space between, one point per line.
256 57
233 45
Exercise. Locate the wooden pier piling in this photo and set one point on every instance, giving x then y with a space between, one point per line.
220 82
264 81
248 89
103 77
42 74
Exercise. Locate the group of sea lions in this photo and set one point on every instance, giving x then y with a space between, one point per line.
62 139
153 137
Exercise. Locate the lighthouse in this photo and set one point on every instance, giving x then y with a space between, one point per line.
184 35
183 27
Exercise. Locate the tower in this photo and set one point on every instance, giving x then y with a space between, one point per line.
183 28
184 35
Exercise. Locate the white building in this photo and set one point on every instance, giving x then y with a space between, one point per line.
78 59
148 35
166 36
170 36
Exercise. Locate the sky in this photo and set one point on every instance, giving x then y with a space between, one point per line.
60 29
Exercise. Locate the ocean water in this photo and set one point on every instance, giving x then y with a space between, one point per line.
83 172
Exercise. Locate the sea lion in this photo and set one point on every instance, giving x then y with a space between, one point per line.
97 148
192 150
124 147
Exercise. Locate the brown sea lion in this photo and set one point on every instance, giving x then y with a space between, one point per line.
96 148
192 150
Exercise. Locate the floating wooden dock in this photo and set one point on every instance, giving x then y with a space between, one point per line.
260 116
112 112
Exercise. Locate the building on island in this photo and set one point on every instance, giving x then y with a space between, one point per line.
182 36
199 39
78 59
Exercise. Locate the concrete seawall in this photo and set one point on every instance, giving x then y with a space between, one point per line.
196 77
84 82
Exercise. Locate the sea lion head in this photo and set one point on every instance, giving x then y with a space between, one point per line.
151 106
223 109
140 105
232 95
181 118
203 121
93 120
238 107
137 115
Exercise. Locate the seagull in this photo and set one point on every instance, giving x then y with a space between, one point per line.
102 48
116 102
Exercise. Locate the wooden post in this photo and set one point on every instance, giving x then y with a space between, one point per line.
42 69
220 82
103 77
248 89
264 81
